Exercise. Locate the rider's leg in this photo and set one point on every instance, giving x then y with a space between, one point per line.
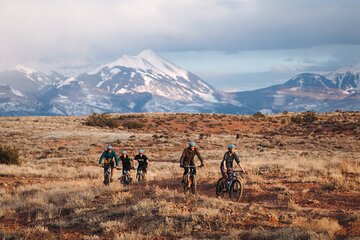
112 165
223 173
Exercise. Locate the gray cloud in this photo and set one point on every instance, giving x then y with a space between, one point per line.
95 30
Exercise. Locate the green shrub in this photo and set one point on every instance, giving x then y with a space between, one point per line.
9 155
133 125
310 117
258 115
102 120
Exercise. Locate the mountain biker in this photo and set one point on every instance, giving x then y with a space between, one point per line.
109 155
127 162
187 159
226 166
143 161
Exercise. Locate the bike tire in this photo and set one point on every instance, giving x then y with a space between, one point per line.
193 185
107 178
185 185
220 188
236 190
138 177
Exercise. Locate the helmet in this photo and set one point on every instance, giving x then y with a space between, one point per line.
231 146
124 152
109 147
141 150
192 144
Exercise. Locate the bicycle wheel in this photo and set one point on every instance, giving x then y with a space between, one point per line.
220 188
193 184
185 184
138 177
107 178
236 190
129 179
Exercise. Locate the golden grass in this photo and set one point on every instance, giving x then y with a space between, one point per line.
296 187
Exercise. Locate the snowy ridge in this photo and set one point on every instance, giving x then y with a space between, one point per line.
147 60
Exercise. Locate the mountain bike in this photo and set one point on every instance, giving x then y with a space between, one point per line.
140 175
189 181
125 179
233 186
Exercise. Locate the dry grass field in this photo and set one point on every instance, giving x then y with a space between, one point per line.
302 181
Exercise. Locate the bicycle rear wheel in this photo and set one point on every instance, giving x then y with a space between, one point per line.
236 190
220 188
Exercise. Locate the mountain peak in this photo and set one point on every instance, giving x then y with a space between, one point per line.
24 69
147 53
147 60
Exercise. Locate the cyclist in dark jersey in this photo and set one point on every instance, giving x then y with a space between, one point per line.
187 159
109 156
226 166
127 162
143 161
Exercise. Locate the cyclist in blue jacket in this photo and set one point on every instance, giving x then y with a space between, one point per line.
109 156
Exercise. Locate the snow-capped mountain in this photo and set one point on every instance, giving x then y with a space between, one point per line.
20 89
146 82
150 83
308 91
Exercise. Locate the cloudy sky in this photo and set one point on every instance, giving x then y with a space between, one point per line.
232 44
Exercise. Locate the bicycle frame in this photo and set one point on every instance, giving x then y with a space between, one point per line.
230 180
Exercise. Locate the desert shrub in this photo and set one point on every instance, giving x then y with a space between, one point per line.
325 225
282 234
258 115
38 232
285 112
9 155
204 135
309 117
133 125
102 120
296 119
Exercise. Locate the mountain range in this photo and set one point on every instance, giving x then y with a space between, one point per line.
149 83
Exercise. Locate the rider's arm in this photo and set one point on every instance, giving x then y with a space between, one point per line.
182 157
147 160
223 163
242 169
116 159
238 163
199 156
101 157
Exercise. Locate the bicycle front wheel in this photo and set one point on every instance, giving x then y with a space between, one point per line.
107 178
193 185
236 190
